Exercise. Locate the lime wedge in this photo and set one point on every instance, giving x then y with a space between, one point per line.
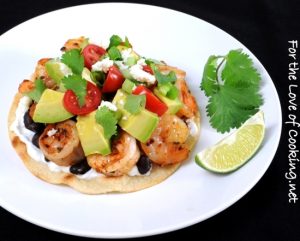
236 149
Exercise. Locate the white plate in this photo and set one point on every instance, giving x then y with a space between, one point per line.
190 195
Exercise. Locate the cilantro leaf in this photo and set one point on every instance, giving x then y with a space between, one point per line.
209 80
234 98
127 43
38 90
108 120
74 60
163 78
114 40
232 106
239 69
114 53
78 85
134 103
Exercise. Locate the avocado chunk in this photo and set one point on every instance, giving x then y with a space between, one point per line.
173 105
91 135
50 108
141 125
57 70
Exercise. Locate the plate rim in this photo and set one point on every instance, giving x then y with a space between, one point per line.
181 225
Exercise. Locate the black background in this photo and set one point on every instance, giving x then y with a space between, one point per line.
265 27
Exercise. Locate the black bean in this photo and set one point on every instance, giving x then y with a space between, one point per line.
35 139
144 164
31 125
80 168
74 118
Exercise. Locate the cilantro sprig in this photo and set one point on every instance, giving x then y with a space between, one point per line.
114 53
116 40
78 85
232 84
108 120
74 60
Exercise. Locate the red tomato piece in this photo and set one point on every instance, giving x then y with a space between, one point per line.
147 69
92 100
92 54
153 104
113 81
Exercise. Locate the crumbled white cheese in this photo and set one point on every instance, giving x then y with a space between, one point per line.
139 74
126 53
121 65
103 65
109 105
51 132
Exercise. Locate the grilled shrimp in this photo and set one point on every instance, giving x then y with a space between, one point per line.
41 73
167 145
26 86
190 108
125 154
60 143
73 43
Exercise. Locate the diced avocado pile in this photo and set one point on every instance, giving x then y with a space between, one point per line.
50 107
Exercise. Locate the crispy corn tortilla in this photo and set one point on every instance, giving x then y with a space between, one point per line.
98 185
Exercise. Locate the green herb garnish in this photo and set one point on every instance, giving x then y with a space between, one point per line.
114 53
108 120
74 60
234 97
127 43
114 40
78 85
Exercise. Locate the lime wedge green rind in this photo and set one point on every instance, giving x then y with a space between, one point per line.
235 150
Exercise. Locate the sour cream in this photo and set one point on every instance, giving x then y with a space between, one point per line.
26 135
35 153
135 172
22 132
192 127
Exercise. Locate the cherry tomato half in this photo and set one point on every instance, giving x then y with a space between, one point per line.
113 81
147 69
92 100
92 54
153 104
